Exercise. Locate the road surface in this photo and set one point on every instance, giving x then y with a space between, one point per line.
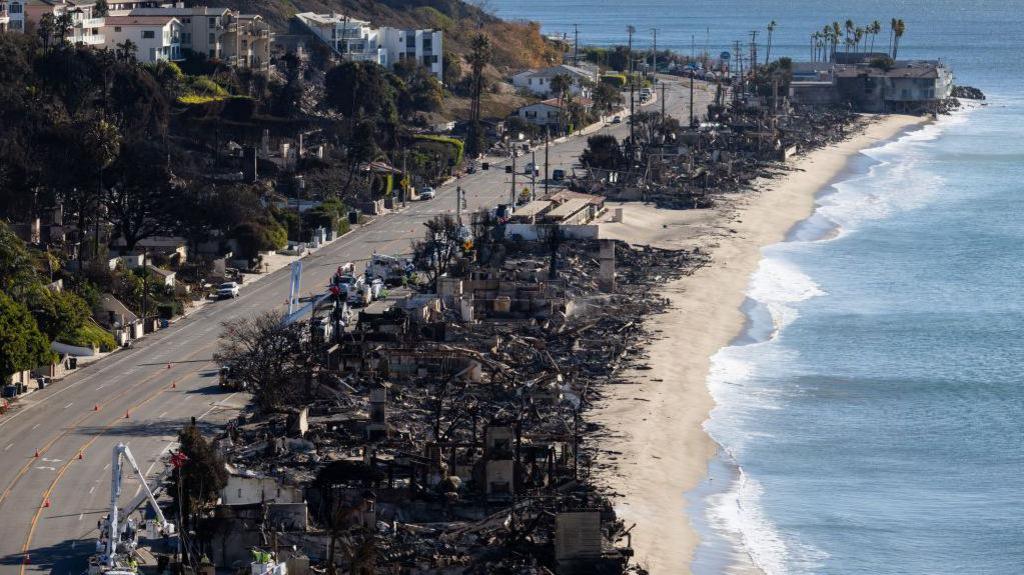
51 500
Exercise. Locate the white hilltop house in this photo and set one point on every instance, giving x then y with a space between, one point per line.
356 40
538 82
155 37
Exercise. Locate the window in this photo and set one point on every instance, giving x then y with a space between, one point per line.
530 81
186 37
213 38
117 28
531 113
150 34
428 44
213 23
152 54
15 8
410 40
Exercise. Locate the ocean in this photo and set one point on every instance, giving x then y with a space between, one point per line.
871 417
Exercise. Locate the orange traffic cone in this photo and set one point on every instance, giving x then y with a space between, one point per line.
168 365
80 455
37 453
95 407
174 385
46 502
126 414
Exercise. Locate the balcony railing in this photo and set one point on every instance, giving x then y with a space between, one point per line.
89 39
89 23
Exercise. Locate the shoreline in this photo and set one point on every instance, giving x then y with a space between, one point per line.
654 439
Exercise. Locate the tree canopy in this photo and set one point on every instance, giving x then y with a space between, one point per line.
22 345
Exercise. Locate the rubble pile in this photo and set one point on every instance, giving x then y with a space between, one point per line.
749 139
444 431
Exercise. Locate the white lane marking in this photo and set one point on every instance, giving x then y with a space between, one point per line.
91 489
35 426
69 405
106 467
161 416
216 405
101 387
45 467
80 515
9 445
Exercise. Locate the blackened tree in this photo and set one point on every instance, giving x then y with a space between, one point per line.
269 356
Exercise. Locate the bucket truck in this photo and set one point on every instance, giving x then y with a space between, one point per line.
118 535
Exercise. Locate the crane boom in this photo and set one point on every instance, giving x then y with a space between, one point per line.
121 453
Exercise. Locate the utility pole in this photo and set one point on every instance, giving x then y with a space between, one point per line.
145 287
576 45
753 54
405 176
663 86
654 52
739 62
512 197
629 59
533 175
547 142
458 204
691 100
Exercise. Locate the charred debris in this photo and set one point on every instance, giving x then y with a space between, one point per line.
750 131
439 430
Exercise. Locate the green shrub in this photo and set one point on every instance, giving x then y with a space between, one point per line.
456 143
617 80
92 335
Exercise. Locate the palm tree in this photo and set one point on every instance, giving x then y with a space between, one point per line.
560 85
874 29
858 35
46 30
901 28
849 33
768 51
892 30
62 27
836 31
126 51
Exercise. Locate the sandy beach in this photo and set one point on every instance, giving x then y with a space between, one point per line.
655 424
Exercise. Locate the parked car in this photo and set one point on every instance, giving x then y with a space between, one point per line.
617 120
427 193
227 290
558 175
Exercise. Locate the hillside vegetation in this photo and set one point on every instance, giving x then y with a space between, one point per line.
517 45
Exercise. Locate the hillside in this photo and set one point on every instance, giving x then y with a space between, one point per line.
517 45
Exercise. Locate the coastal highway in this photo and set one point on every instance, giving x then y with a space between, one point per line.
55 446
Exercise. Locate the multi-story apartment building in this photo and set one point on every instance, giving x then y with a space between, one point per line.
15 15
155 37
241 40
355 39
85 28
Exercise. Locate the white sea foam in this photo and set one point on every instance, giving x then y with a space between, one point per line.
739 514
899 180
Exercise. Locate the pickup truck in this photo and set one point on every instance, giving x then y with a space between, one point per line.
227 290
